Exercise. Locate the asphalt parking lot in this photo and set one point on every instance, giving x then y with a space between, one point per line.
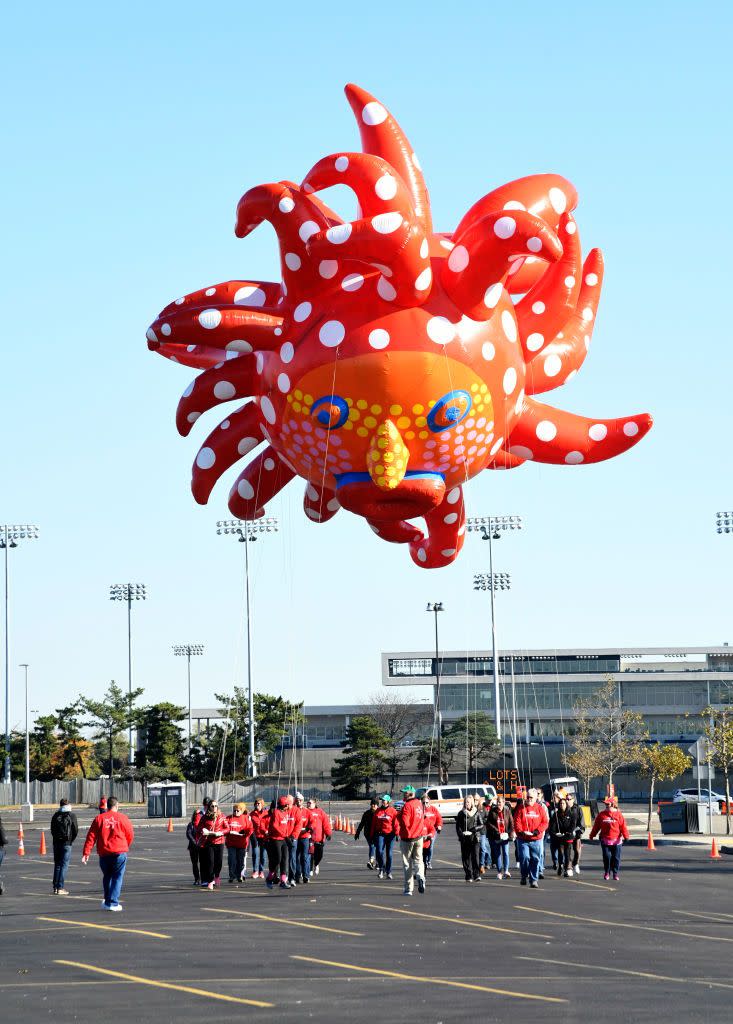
348 947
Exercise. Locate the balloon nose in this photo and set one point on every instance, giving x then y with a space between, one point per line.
387 457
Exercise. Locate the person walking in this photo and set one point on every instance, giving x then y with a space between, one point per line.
563 822
610 826
530 824
3 844
193 849
384 831
411 830
64 830
554 846
500 832
211 833
280 829
469 827
296 813
303 836
365 826
260 818
113 835
434 825
321 831
578 831
237 841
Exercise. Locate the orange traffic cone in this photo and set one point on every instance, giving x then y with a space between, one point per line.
650 842
350 827
715 852
21 846
170 825
42 847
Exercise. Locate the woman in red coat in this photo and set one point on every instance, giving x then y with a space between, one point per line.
211 833
237 841
321 830
610 826
260 818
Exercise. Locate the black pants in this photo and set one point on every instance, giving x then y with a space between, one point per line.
469 856
317 854
577 846
555 845
563 854
193 852
278 854
210 861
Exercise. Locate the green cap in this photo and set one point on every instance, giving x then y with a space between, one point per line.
408 789
386 797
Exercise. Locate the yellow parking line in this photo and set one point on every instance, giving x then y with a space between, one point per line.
620 970
281 920
456 920
94 899
164 984
37 878
103 927
621 924
422 980
709 915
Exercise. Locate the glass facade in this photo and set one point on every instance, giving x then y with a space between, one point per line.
520 665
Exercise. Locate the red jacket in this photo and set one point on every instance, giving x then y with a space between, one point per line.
433 820
612 827
240 829
384 821
320 825
282 822
527 819
260 823
217 824
304 828
410 820
112 832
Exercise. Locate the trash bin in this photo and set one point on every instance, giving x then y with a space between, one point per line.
167 800
673 818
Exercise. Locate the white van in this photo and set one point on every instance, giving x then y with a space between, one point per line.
449 799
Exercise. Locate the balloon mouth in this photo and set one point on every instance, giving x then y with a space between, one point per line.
418 493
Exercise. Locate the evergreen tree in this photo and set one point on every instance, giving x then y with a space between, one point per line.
472 741
273 716
162 750
44 745
76 754
111 717
363 758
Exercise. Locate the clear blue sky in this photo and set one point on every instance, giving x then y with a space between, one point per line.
130 134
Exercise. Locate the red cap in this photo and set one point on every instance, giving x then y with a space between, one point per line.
282 801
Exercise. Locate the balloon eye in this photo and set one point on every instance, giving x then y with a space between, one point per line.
331 411
449 411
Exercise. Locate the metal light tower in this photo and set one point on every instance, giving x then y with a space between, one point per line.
435 608
491 529
128 592
246 532
26 813
10 536
188 651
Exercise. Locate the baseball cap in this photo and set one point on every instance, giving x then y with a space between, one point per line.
407 789
386 797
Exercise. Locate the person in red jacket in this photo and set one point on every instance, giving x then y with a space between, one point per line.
383 833
412 832
610 825
113 834
211 833
282 823
530 825
296 812
237 841
260 818
321 830
303 836
434 824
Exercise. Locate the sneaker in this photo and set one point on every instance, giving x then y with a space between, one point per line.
269 882
507 875
284 885
576 869
389 877
482 870
540 877
407 892
534 885
428 867
421 884
210 886
293 881
499 876
370 865
522 881
105 905
477 878
380 874
305 881
615 876
606 875
61 892
115 908
242 878
318 869
569 873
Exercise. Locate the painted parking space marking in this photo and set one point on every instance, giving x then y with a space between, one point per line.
623 924
94 899
165 984
714 916
634 974
37 878
422 980
456 920
103 927
280 920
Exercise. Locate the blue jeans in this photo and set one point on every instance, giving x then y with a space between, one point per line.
259 855
292 845
113 871
61 858
530 853
303 857
384 853
611 858
235 856
500 854
485 854
427 853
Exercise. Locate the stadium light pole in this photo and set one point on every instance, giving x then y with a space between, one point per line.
246 532
188 651
436 607
128 592
10 535
26 813
491 529
493 582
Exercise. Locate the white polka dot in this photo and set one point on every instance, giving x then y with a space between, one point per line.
505 227
193 416
386 223
341 163
447 244
210 291
521 451
268 409
424 280
598 432
352 282
259 362
292 261
454 496
488 351
302 311
558 200
574 458
339 233
210 318
569 281
451 518
151 335
373 113
591 279
286 204
509 325
631 429
277 332
179 302
510 381
245 490
269 464
283 382
387 291
534 244
538 307
552 365
333 505
246 445
546 430
514 204
496 445
224 390
448 552
571 227
311 493
535 341
165 329
287 352
440 330
205 458
424 249
189 389
249 295
379 338
307 229
332 333
328 268
587 314
493 294
422 555
225 425
386 186
458 259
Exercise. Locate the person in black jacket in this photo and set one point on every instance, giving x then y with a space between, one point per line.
365 826
64 830
3 844
500 830
470 827
564 820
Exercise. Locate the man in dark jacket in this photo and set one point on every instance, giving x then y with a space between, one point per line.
3 844
365 826
64 830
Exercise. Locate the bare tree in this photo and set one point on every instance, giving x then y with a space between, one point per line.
401 722
604 726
